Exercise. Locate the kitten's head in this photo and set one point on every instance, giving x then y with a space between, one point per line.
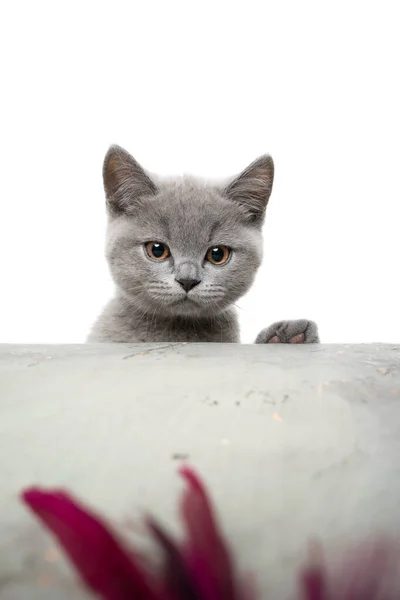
183 247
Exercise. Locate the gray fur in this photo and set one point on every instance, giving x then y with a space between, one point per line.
189 216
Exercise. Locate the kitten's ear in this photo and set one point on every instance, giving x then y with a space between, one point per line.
125 182
253 187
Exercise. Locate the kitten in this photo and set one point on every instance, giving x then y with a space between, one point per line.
181 253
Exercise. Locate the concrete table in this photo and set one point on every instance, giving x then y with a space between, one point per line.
293 442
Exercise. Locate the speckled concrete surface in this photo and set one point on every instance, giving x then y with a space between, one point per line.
293 441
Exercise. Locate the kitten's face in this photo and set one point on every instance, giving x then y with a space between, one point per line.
183 248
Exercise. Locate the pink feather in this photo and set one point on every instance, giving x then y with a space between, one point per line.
200 568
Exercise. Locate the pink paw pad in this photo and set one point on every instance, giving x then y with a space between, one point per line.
297 339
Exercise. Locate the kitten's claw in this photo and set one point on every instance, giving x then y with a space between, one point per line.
300 331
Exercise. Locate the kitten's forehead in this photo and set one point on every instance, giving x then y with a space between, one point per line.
189 211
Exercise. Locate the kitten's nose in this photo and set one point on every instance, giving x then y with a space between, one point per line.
188 284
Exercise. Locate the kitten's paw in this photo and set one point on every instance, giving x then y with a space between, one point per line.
300 331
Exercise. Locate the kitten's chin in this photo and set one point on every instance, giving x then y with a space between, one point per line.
183 306
193 307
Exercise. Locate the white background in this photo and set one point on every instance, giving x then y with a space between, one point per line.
203 87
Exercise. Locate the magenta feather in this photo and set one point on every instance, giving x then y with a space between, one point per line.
201 567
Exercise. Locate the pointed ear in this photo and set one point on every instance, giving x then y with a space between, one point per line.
252 189
125 182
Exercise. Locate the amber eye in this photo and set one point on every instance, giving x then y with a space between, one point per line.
218 255
157 250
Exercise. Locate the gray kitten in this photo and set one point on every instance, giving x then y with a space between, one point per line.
181 253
